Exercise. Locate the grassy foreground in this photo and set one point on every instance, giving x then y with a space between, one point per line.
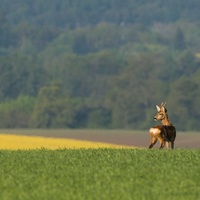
100 174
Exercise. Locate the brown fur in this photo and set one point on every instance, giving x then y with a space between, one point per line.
165 132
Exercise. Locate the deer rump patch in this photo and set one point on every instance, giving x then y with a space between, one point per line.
155 131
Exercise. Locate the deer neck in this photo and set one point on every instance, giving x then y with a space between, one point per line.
166 121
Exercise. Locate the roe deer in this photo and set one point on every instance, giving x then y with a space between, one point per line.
165 132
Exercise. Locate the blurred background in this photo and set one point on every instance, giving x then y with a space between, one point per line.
99 63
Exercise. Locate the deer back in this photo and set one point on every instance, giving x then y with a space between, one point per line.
168 132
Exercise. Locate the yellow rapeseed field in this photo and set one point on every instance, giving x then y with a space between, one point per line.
15 142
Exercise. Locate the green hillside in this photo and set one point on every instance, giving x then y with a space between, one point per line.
98 63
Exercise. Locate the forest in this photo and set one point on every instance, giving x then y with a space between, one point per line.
98 63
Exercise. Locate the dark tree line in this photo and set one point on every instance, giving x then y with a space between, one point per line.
98 64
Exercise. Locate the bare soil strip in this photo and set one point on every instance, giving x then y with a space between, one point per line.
119 137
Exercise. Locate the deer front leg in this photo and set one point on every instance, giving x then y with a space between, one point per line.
167 145
153 141
172 144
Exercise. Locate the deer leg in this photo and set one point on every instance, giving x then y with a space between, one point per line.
162 143
167 145
172 144
152 143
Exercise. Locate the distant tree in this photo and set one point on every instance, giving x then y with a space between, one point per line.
179 40
16 113
7 37
81 44
32 38
114 62
136 89
20 75
99 117
53 108
184 92
187 64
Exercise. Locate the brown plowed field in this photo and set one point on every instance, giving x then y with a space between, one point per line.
122 137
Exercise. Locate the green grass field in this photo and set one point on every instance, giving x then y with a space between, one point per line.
100 174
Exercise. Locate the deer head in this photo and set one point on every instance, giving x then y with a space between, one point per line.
162 112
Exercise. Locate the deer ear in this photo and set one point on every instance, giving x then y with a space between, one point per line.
158 108
163 109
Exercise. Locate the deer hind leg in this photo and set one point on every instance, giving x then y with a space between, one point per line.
162 143
153 142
